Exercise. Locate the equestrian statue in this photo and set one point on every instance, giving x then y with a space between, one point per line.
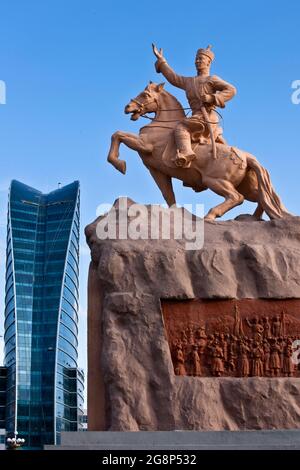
192 148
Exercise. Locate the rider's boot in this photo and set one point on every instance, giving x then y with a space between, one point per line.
185 154
184 161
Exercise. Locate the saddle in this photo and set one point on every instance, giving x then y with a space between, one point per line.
170 151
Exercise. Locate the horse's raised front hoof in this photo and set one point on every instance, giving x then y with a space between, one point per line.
121 166
118 164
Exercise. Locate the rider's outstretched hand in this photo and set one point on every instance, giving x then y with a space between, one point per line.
157 53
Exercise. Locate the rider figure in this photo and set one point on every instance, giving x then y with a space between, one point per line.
204 93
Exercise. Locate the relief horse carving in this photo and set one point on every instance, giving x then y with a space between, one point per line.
235 174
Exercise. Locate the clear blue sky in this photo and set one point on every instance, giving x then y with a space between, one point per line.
70 67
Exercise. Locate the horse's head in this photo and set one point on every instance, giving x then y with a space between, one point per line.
145 102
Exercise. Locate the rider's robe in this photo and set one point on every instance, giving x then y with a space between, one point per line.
196 87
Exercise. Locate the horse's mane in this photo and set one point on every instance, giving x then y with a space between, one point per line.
165 92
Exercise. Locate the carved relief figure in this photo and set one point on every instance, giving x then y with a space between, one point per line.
244 366
267 350
209 348
257 364
224 346
275 363
201 339
256 328
190 335
195 362
284 323
288 365
179 361
217 365
200 333
267 327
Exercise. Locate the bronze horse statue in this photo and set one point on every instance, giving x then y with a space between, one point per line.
235 174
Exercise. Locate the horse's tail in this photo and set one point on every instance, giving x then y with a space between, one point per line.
267 196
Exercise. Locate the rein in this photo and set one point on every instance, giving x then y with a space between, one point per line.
177 120
155 100
160 120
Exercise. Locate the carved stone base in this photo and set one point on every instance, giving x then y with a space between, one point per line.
237 403
132 384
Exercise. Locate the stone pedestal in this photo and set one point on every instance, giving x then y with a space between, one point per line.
183 440
132 384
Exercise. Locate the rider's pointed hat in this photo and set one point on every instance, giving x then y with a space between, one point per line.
208 52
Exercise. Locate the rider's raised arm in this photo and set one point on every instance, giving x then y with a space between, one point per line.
163 67
224 91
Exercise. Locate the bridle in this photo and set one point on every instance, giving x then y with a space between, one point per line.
142 105
154 100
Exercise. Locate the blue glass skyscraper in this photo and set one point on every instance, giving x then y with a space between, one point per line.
44 391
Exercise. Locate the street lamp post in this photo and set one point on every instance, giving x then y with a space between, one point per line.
14 443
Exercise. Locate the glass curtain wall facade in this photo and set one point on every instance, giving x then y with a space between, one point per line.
2 439
3 376
41 313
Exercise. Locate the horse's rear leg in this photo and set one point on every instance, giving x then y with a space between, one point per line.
257 214
249 189
252 195
226 189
